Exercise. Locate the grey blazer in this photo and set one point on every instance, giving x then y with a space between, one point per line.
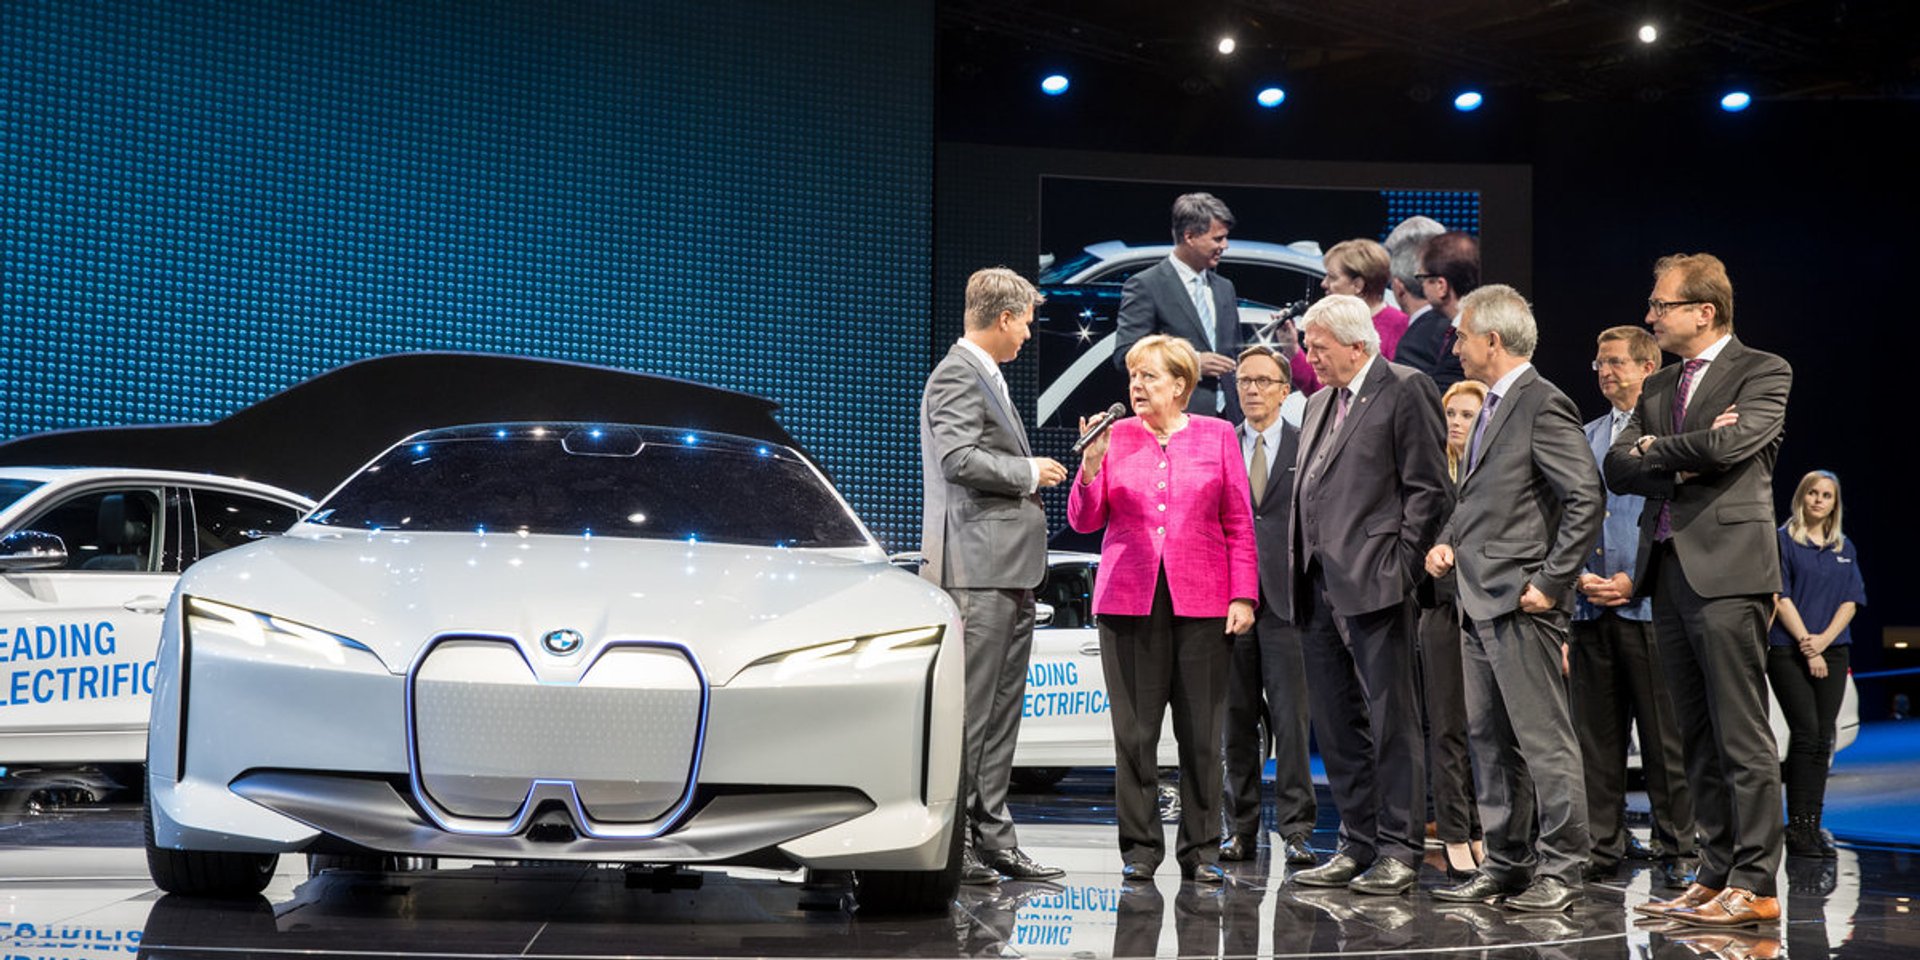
1530 508
1723 528
1155 301
979 526
1382 493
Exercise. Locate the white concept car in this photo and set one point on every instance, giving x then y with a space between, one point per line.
562 642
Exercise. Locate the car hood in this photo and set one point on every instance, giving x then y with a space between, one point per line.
731 605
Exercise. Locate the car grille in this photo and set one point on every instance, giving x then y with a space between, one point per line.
626 735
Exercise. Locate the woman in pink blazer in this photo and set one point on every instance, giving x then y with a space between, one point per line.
1177 577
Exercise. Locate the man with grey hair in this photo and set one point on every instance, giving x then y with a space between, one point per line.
984 534
1529 510
1403 252
1371 492
1185 296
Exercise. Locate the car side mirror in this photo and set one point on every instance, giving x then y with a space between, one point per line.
911 561
31 550
1042 614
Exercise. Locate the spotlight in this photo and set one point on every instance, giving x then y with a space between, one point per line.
1226 45
1468 101
1649 33
1055 84
1736 101
1270 97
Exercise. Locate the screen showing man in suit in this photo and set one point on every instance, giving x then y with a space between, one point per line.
1711 561
1185 296
1529 510
984 535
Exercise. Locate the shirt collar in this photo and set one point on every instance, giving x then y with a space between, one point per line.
986 360
1360 377
1502 385
1712 351
1186 273
1270 437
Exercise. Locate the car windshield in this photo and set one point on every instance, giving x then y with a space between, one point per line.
12 490
1061 270
640 484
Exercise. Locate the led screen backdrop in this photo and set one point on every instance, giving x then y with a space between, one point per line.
204 203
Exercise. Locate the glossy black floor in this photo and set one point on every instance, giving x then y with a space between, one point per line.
73 884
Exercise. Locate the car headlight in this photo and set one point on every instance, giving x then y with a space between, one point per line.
859 652
265 631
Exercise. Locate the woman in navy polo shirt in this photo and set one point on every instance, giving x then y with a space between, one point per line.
1820 590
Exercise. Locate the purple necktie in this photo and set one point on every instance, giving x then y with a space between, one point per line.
1340 408
1663 527
1480 430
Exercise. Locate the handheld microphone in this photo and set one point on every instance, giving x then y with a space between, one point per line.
1100 426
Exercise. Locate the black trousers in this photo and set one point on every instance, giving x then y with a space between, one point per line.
1616 681
1366 716
1811 707
1268 678
1714 650
1444 703
1151 663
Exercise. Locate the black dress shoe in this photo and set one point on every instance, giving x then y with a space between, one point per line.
1639 851
972 871
1238 848
1207 873
1015 865
1677 874
1386 878
1545 895
1479 888
1298 852
1137 872
1336 872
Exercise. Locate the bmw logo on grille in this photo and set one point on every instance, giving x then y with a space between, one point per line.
563 642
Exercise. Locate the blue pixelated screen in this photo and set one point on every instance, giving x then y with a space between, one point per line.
202 204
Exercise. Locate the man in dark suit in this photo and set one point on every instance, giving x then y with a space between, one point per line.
1449 270
984 535
1529 511
1185 296
1370 493
1268 676
1710 559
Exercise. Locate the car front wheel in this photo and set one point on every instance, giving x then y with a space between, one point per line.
205 873
893 892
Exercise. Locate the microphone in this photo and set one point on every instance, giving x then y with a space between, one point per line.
1099 427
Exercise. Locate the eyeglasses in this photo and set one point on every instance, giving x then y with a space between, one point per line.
1258 383
1424 277
1659 308
1618 362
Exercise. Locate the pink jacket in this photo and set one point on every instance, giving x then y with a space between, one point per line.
1186 507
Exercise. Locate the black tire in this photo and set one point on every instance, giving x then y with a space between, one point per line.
318 863
204 873
896 892
1037 779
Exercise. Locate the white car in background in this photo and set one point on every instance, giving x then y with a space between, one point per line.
88 558
562 642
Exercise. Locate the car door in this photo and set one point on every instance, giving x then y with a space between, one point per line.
78 640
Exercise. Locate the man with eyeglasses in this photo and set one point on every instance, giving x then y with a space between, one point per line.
1613 665
1710 559
1449 270
1268 675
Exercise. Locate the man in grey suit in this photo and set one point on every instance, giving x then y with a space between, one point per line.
984 535
1185 296
1268 677
1711 560
1529 510
1370 493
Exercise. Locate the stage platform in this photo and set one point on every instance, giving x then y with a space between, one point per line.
73 884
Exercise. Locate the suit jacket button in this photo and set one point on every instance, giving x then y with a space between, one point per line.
1159 531
1163 465
1161 507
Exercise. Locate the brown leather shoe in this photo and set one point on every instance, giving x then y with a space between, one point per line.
1695 896
1734 907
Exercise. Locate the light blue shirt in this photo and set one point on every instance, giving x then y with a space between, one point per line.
1619 545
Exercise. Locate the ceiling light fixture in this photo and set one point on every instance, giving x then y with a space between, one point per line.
1270 97
1226 45
1468 101
1736 101
1649 33
1055 84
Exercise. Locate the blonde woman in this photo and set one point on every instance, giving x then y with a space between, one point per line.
1808 647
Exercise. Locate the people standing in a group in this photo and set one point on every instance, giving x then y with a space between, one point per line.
1614 665
1709 556
1449 270
1529 510
1456 822
1185 296
1809 647
984 534
1370 493
1177 581
1361 268
1268 677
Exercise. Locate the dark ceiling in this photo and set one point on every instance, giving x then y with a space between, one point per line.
1545 50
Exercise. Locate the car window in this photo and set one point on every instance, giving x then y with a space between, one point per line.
1271 282
114 530
1069 589
222 519
668 487
12 490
